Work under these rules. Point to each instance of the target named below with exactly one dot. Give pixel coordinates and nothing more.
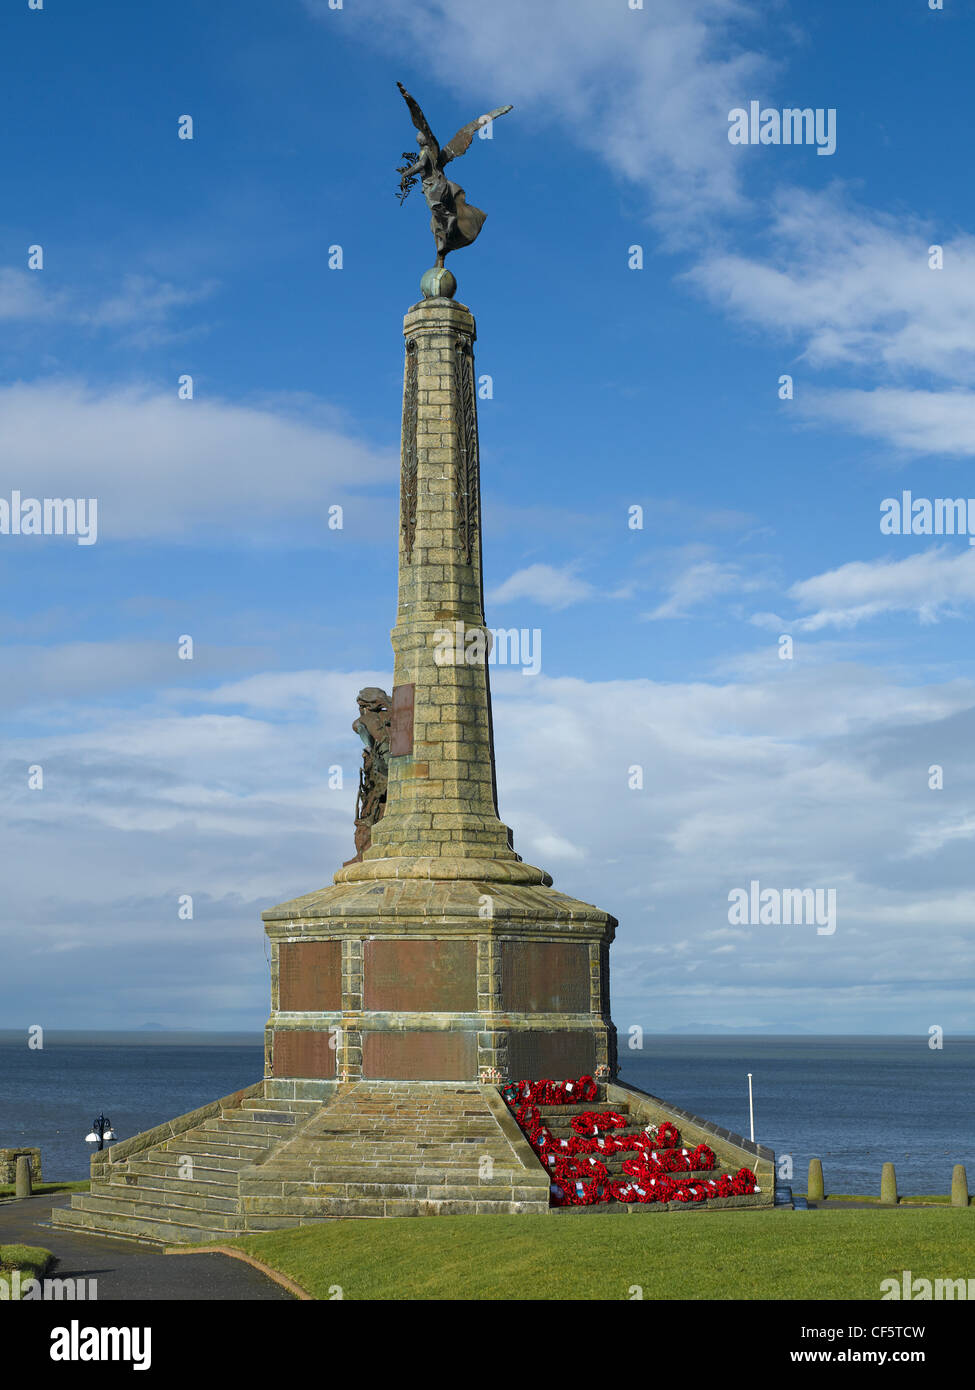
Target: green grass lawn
(41, 1188)
(594, 1255)
(31, 1260)
(938, 1199)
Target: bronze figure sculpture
(372, 726)
(453, 221)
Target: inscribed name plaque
(401, 722)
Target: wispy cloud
(192, 471)
(648, 91)
(701, 582)
(934, 584)
(853, 285)
(213, 793)
(545, 584)
(918, 421)
(139, 310)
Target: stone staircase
(408, 1149)
(263, 1162)
(187, 1188)
(288, 1153)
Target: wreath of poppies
(580, 1179)
(550, 1092)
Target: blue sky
(611, 388)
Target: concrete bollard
(959, 1186)
(22, 1183)
(814, 1187)
(888, 1184)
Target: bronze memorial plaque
(401, 727)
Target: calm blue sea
(853, 1102)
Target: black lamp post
(100, 1131)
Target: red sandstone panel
(419, 1056)
(401, 976)
(556, 1056)
(302, 1052)
(310, 976)
(550, 977)
(401, 721)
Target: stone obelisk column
(441, 800)
(440, 955)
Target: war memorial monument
(440, 1038)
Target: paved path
(127, 1270)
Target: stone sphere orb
(438, 283)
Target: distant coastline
(199, 1037)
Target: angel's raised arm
(419, 120)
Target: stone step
(243, 1127)
(273, 1105)
(459, 1133)
(565, 1131)
(133, 1227)
(391, 1153)
(242, 1133)
(167, 1166)
(613, 1163)
(229, 1154)
(126, 1202)
(322, 1208)
(282, 1185)
(147, 1192)
(298, 1200)
(302, 1176)
(148, 1177)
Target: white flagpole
(751, 1108)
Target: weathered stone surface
(310, 975)
(8, 1164)
(304, 1052)
(420, 974)
(373, 1149)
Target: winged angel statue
(453, 220)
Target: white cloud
(854, 285)
(811, 782)
(933, 584)
(648, 91)
(701, 582)
(545, 584)
(205, 470)
(25, 296)
(138, 310)
(920, 421)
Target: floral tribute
(580, 1179)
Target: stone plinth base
(429, 979)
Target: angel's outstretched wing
(461, 142)
(419, 120)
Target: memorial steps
(375, 1149)
(146, 1198)
(367, 1149)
